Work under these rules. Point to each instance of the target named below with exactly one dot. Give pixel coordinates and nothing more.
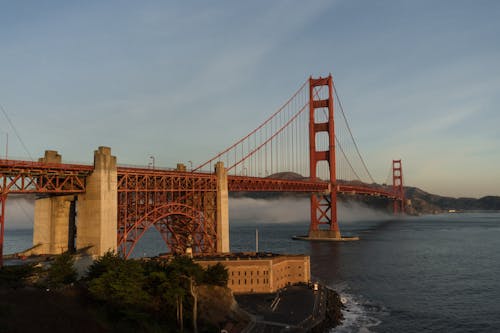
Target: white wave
(359, 315)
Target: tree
(216, 275)
(62, 271)
(109, 261)
(182, 265)
(16, 276)
(167, 292)
(121, 285)
(184, 270)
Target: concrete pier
(97, 207)
(51, 230)
(324, 234)
(222, 214)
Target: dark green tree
(121, 285)
(184, 266)
(109, 261)
(16, 276)
(216, 275)
(62, 271)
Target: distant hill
(287, 176)
(424, 203)
(420, 202)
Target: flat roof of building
(238, 256)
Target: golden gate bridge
(302, 147)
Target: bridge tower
(323, 205)
(397, 187)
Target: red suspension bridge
(302, 147)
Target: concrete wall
(51, 218)
(222, 214)
(263, 275)
(51, 227)
(97, 207)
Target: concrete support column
(97, 207)
(51, 218)
(222, 209)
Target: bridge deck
(62, 178)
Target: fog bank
(294, 210)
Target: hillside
(425, 203)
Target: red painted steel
(255, 184)
(323, 205)
(180, 205)
(218, 156)
(39, 177)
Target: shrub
(62, 271)
(121, 284)
(15, 276)
(216, 275)
(109, 261)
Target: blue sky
(181, 80)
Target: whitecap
(360, 315)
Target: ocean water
(417, 274)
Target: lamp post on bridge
(190, 165)
(152, 163)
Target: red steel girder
(173, 202)
(39, 177)
(134, 180)
(255, 184)
(365, 190)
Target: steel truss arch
(180, 225)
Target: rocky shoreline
(332, 316)
(297, 308)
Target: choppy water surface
(425, 274)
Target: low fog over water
(19, 212)
(291, 210)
